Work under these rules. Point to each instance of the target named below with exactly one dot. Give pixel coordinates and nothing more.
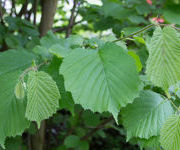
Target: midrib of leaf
(169, 56)
(107, 84)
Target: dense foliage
(107, 77)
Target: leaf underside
(42, 95)
(164, 57)
(144, 117)
(170, 133)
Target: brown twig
(35, 10)
(72, 19)
(29, 13)
(63, 28)
(100, 126)
(23, 9)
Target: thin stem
(100, 126)
(63, 28)
(174, 105)
(144, 29)
(33, 68)
(135, 33)
(23, 9)
(169, 98)
(172, 25)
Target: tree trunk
(48, 12)
(37, 141)
(1, 13)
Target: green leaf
(49, 40)
(111, 38)
(137, 19)
(143, 9)
(72, 141)
(62, 147)
(164, 57)
(75, 40)
(101, 80)
(93, 42)
(59, 50)
(13, 23)
(90, 118)
(139, 39)
(170, 133)
(137, 60)
(66, 101)
(143, 55)
(152, 142)
(42, 95)
(13, 143)
(83, 145)
(130, 30)
(172, 14)
(42, 51)
(19, 90)
(144, 117)
(12, 64)
(116, 10)
(12, 41)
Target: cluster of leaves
(18, 33)
(129, 15)
(94, 78)
(101, 76)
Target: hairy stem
(135, 33)
(144, 29)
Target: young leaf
(144, 117)
(170, 133)
(42, 95)
(103, 80)
(136, 59)
(164, 57)
(19, 90)
(12, 64)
